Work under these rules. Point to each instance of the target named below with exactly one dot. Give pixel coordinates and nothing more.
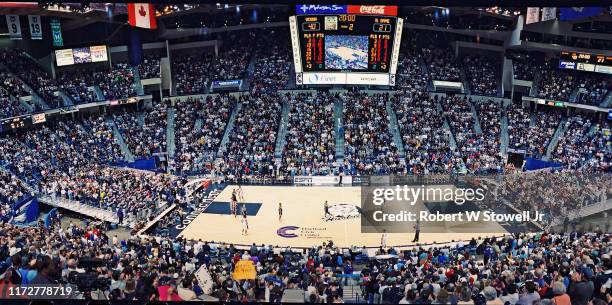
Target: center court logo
(342, 211)
(287, 231)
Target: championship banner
(533, 15)
(14, 27)
(205, 280)
(549, 13)
(56, 30)
(244, 270)
(35, 27)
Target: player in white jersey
(240, 193)
(245, 225)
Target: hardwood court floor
(303, 216)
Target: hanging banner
(14, 27)
(56, 30)
(549, 13)
(35, 27)
(533, 15)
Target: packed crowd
(543, 268)
(144, 133)
(138, 194)
(532, 133)
(272, 63)
(555, 84)
(412, 77)
(524, 69)
(489, 115)
(77, 85)
(442, 65)
(250, 150)
(29, 71)
(583, 141)
(13, 85)
(70, 159)
(422, 129)
(310, 147)
(116, 83)
(479, 149)
(149, 67)
(519, 122)
(199, 128)
(11, 190)
(525, 270)
(556, 193)
(368, 145)
(481, 73)
(592, 90)
(191, 73)
(10, 106)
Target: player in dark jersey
(234, 203)
(326, 209)
(280, 211)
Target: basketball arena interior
(303, 153)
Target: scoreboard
(586, 62)
(345, 44)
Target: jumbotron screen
(345, 44)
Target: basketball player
(245, 225)
(326, 210)
(234, 208)
(240, 193)
(243, 210)
(280, 211)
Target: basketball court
(304, 224)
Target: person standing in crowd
(581, 287)
(120, 215)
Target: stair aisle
(555, 139)
(339, 128)
(504, 138)
(394, 129)
(281, 136)
(137, 83)
(477, 127)
(170, 132)
(228, 130)
(125, 150)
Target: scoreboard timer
(345, 44)
(586, 62)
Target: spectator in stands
(150, 67)
(482, 74)
(310, 141)
(369, 146)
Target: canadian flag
(142, 15)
